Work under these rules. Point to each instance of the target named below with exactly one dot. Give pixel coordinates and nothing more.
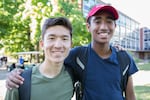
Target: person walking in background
(1, 61)
(21, 60)
(102, 75)
(5, 60)
(12, 67)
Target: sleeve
(133, 68)
(12, 94)
(70, 61)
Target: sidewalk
(3, 74)
(141, 78)
(2, 89)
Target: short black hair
(56, 21)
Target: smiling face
(56, 43)
(102, 26)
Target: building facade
(144, 51)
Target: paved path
(3, 74)
(2, 89)
(140, 78)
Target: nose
(58, 43)
(103, 25)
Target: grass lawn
(145, 67)
(143, 92)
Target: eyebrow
(98, 18)
(50, 35)
(56, 35)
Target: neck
(49, 69)
(103, 50)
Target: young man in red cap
(102, 78)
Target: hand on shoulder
(14, 79)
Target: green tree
(21, 21)
(16, 33)
(5, 18)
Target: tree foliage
(16, 31)
(21, 22)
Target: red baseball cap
(101, 7)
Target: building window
(146, 46)
(145, 37)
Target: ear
(115, 25)
(41, 44)
(88, 27)
(71, 44)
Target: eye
(110, 21)
(51, 38)
(97, 21)
(65, 38)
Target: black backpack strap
(124, 63)
(81, 60)
(25, 88)
(72, 75)
(81, 57)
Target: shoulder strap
(81, 57)
(25, 88)
(124, 63)
(81, 60)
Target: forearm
(130, 95)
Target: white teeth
(103, 33)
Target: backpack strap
(72, 75)
(124, 63)
(82, 56)
(25, 88)
(81, 60)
